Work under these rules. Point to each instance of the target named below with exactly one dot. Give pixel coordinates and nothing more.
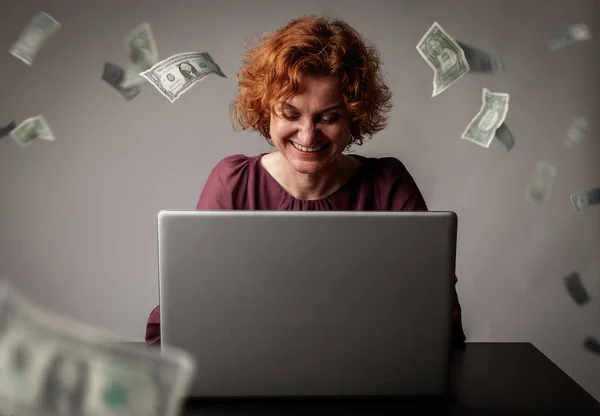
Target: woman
(312, 89)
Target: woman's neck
(311, 186)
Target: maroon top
(380, 184)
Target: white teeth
(307, 149)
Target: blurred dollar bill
(31, 129)
(143, 54)
(482, 129)
(132, 78)
(176, 74)
(114, 75)
(541, 182)
(576, 288)
(592, 345)
(50, 365)
(584, 199)
(567, 35)
(444, 56)
(39, 29)
(504, 136)
(482, 61)
(5, 131)
(577, 131)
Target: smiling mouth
(309, 149)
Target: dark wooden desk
(505, 378)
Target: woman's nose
(308, 133)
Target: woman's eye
(331, 119)
(327, 119)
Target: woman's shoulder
(233, 162)
(384, 168)
(234, 165)
(226, 185)
(393, 184)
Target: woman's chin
(308, 162)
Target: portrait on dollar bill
(489, 119)
(65, 386)
(187, 70)
(445, 56)
(142, 52)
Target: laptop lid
(309, 304)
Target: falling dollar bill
(541, 182)
(504, 136)
(482, 129)
(482, 61)
(132, 78)
(577, 132)
(39, 29)
(576, 288)
(5, 131)
(114, 75)
(567, 35)
(176, 74)
(141, 47)
(444, 56)
(143, 54)
(50, 365)
(31, 129)
(592, 345)
(584, 199)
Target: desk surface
(507, 377)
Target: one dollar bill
(444, 55)
(482, 129)
(132, 78)
(567, 35)
(541, 182)
(39, 29)
(178, 73)
(143, 54)
(50, 365)
(32, 129)
(577, 132)
(585, 199)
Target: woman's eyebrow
(322, 111)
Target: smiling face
(311, 129)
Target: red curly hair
(312, 45)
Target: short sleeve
(226, 185)
(398, 190)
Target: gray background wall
(78, 216)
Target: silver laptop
(309, 304)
